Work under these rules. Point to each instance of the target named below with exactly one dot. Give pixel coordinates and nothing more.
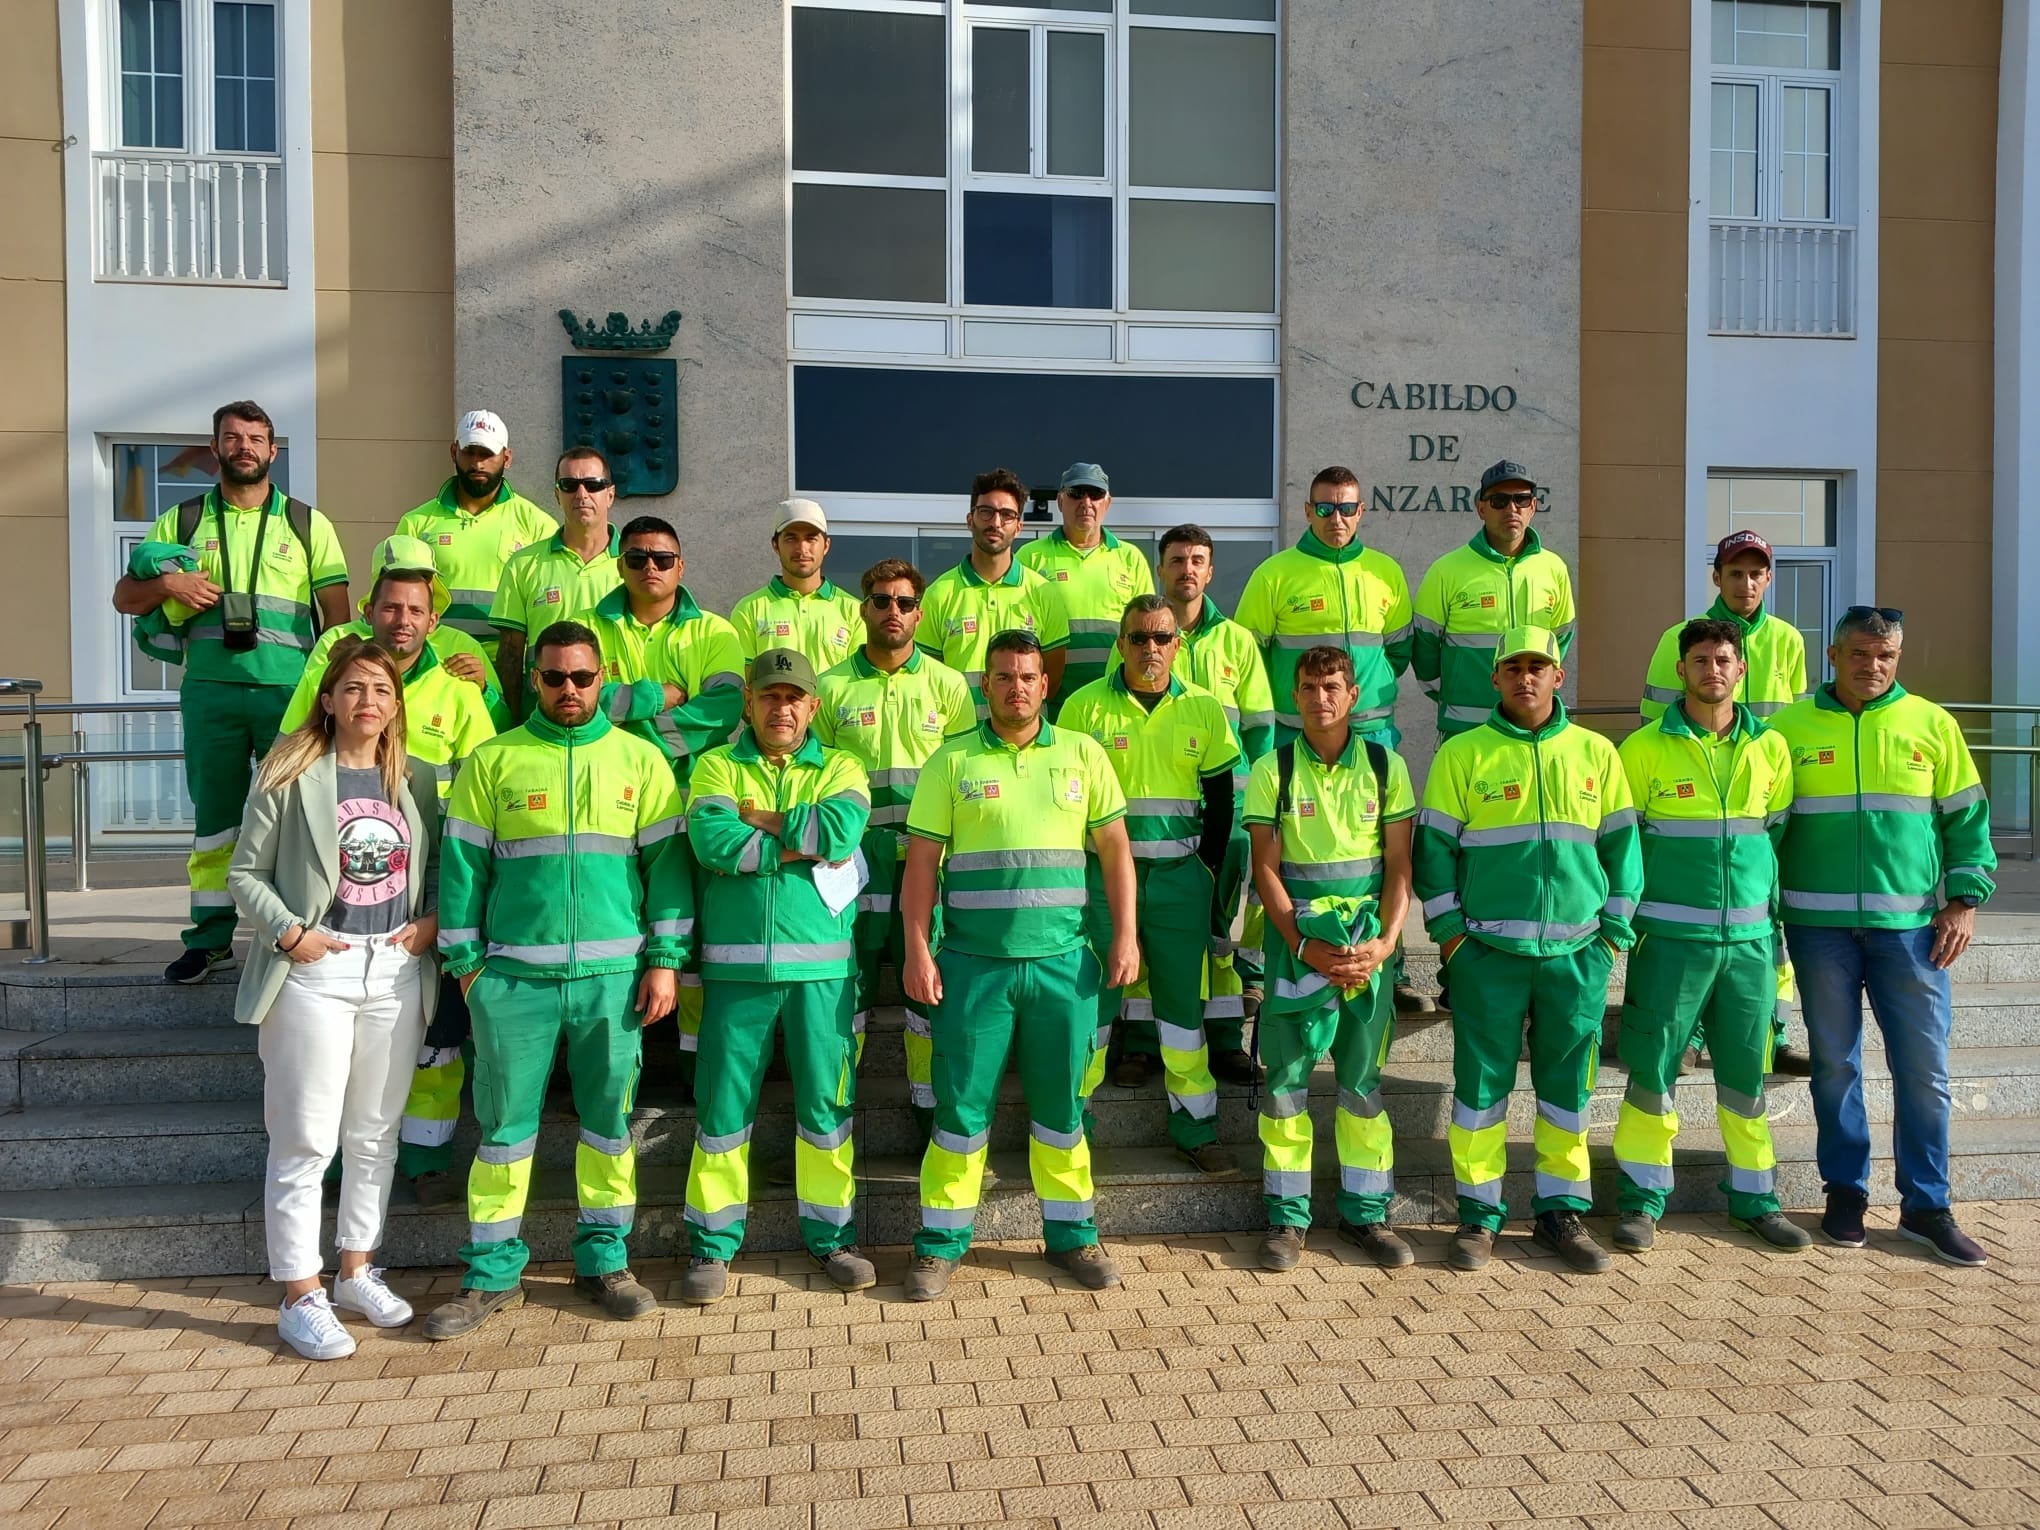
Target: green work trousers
(1356, 1030)
(737, 1026)
(1050, 1004)
(1565, 999)
(518, 1026)
(432, 1108)
(1174, 918)
(882, 937)
(227, 729)
(1681, 990)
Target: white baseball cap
(800, 512)
(482, 427)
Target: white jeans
(338, 1050)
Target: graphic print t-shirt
(375, 859)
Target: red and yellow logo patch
(868, 718)
(535, 802)
(1511, 793)
(1827, 757)
(1317, 602)
(1685, 788)
(1487, 602)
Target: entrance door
(1803, 595)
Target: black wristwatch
(1967, 901)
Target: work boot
(436, 1187)
(1689, 1061)
(1133, 1069)
(1842, 1223)
(928, 1277)
(1791, 1061)
(1783, 1234)
(1282, 1248)
(1472, 1247)
(1374, 1239)
(1635, 1231)
(847, 1268)
(1210, 1158)
(619, 1294)
(1409, 1002)
(468, 1311)
(707, 1281)
(1566, 1236)
(1235, 1066)
(194, 965)
(1091, 1265)
(1938, 1231)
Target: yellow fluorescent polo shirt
(1332, 834)
(1014, 824)
(960, 614)
(1095, 584)
(1161, 758)
(548, 582)
(892, 723)
(471, 551)
(824, 626)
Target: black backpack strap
(1285, 774)
(1377, 756)
(189, 513)
(299, 514)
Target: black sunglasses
(1889, 613)
(638, 557)
(906, 603)
(1522, 499)
(556, 679)
(1084, 491)
(592, 485)
(1324, 509)
(1151, 639)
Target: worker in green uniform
(1095, 573)
(563, 915)
(1774, 656)
(771, 815)
(476, 523)
(1003, 813)
(1221, 656)
(564, 577)
(1330, 817)
(992, 591)
(891, 707)
(799, 608)
(270, 575)
(1713, 784)
(1174, 754)
(1528, 871)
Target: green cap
(1541, 641)
(407, 553)
(782, 666)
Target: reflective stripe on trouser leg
(1740, 1034)
(1490, 997)
(687, 1001)
(1662, 1002)
(821, 1056)
(919, 1043)
(605, 1048)
(517, 1025)
(739, 1020)
(226, 729)
(1058, 1000)
(1290, 1048)
(1225, 1022)
(1366, 1136)
(432, 1108)
(1175, 925)
(1568, 1006)
(972, 1033)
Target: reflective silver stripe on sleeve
(1620, 819)
(469, 833)
(582, 950)
(1442, 823)
(1444, 903)
(1012, 860)
(1015, 897)
(1957, 801)
(1663, 694)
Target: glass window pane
(261, 98)
(1793, 125)
(1724, 31)
(1076, 103)
(1793, 191)
(1722, 132)
(1203, 109)
(261, 51)
(169, 57)
(1228, 10)
(1044, 5)
(230, 115)
(1000, 97)
(1233, 243)
(137, 118)
(1811, 110)
(1825, 48)
(169, 112)
(1746, 117)
(229, 37)
(884, 242)
(1721, 185)
(1787, 512)
(869, 92)
(1026, 251)
(134, 35)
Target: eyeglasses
(1522, 499)
(592, 485)
(994, 513)
(558, 679)
(1325, 509)
(906, 603)
(1889, 613)
(660, 559)
(1085, 491)
(1151, 639)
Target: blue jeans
(1910, 997)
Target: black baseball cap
(1505, 471)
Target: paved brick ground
(1707, 1387)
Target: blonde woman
(335, 869)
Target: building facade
(1700, 264)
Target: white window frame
(1771, 84)
(200, 85)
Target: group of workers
(1105, 824)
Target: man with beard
(562, 578)
(991, 591)
(475, 523)
(270, 575)
(799, 608)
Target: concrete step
(74, 1145)
(128, 1233)
(164, 1064)
(33, 1001)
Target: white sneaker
(368, 1295)
(309, 1326)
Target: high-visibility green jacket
(961, 613)
(1351, 597)
(444, 715)
(1465, 602)
(892, 723)
(1161, 758)
(1713, 813)
(443, 643)
(691, 648)
(1774, 651)
(824, 625)
(470, 551)
(1886, 807)
(1223, 657)
(563, 856)
(1095, 586)
(1528, 840)
(762, 921)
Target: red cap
(1742, 542)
